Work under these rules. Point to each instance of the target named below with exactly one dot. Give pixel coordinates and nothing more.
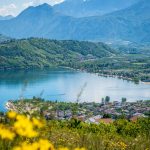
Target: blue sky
(14, 7)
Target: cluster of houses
(87, 112)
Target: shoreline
(81, 70)
(10, 105)
(108, 75)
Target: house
(94, 119)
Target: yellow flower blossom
(41, 145)
(12, 115)
(25, 146)
(79, 149)
(24, 127)
(6, 133)
(37, 123)
(45, 145)
(65, 148)
(122, 145)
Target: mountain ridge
(131, 24)
(85, 8)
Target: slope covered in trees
(38, 53)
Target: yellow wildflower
(12, 115)
(37, 123)
(24, 127)
(79, 149)
(63, 148)
(45, 145)
(41, 145)
(25, 146)
(122, 145)
(6, 133)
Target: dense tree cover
(38, 53)
(129, 66)
(92, 57)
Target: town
(89, 112)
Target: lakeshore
(88, 111)
(66, 84)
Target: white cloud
(15, 8)
(51, 2)
(57, 1)
(25, 5)
(8, 9)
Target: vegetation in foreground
(22, 132)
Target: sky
(14, 7)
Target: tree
(107, 116)
(103, 101)
(124, 100)
(107, 99)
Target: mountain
(131, 25)
(40, 21)
(85, 8)
(38, 53)
(6, 17)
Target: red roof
(134, 118)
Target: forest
(131, 63)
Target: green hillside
(39, 53)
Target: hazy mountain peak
(43, 9)
(130, 24)
(44, 6)
(84, 8)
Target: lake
(66, 85)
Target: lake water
(65, 85)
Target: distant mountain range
(84, 8)
(6, 17)
(130, 24)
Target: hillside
(131, 24)
(38, 53)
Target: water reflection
(65, 85)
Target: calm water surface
(65, 85)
